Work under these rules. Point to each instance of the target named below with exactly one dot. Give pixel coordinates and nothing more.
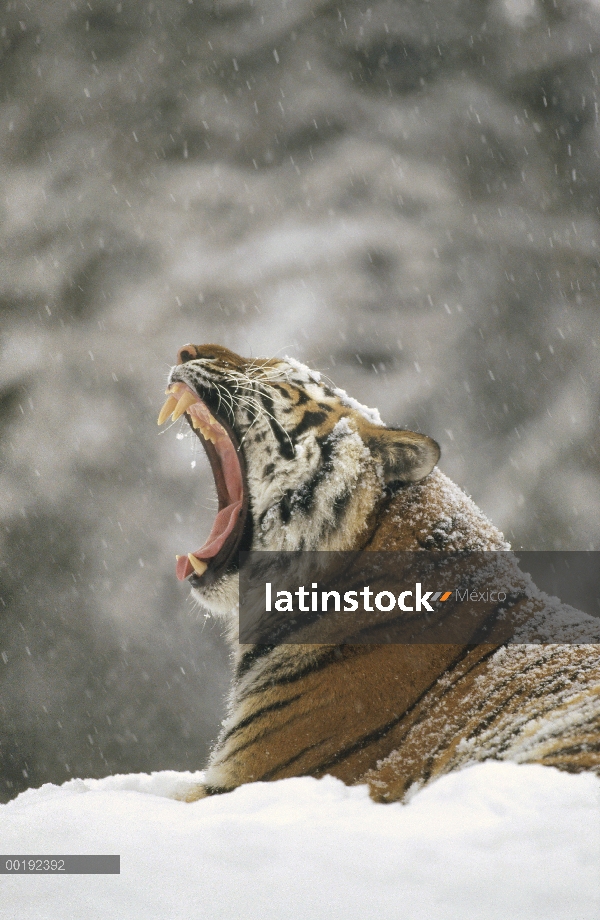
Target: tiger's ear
(404, 455)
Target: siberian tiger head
(298, 465)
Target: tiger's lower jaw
(220, 595)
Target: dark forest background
(403, 194)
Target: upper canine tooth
(166, 409)
(184, 403)
(176, 389)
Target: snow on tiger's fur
(322, 472)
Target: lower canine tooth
(198, 565)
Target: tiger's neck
(434, 514)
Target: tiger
(301, 466)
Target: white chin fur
(221, 598)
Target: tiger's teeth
(206, 432)
(175, 389)
(196, 423)
(166, 410)
(198, 565)
(187, 400)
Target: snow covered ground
(496, 840)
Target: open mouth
(224, 456)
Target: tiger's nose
(187, 353)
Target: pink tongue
(224, 523)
